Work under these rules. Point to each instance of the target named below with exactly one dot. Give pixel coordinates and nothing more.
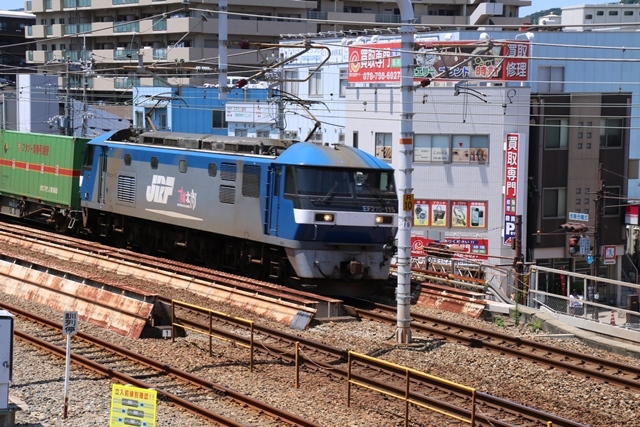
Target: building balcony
(37, 32)
(442, 20)
(484, 11)
(75, 4)
(77, 29)
(39, 56)
(343, 16)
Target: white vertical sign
(69, 327)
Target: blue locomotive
(310, 215)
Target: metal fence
(587, 305)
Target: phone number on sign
(381, 75)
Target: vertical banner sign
(511, 187)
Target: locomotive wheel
(119, 240)
(61, 225)
(148, 247)
(213, 259)
(254, 271)
(181, 254)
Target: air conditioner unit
(290, 134)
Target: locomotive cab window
(154, 162)
(88, 157)
(326, 185)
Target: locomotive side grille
(228, 171)
(126, 189)
(251, 181)
(227, 194)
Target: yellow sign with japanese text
(132, 406)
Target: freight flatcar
(39, 177)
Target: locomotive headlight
(325, 217)
(384, 219)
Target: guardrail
(410, 374)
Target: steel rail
(161, 367)
(624, 375)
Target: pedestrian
(574, 303)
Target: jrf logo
(160, 189)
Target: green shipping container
(43, 168)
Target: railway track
(190, 392)
(28, 237)
(494, 411)
(577, 364)
(375, 374)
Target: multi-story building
(341, 15)
(601, 17)
(12, 42)
(179, 39)
(581, 113)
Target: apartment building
(12, 29)
(344, 15)
(179, 38)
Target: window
(588, 16)
(161, 115)
(451, 148)
(554, 202)
(600, 13)
(182, 166)
(460, 149)
(262, 134)
(218, 119)
(291, 86)
(383, 146)
(356, 137)
(343, 82)
(550, 79)
(154, 162)
(140, 123)
(470, 149)
(315, 83)
(127, 159)
(212, 169)
(613, 13)
(632, 173)
(628, 13)
(611, 133)
(556, 133)
(240, 132)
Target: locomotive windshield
(326, 184)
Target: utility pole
(597, 234)
(83, 64)
(69, 121)
(518, 262)
(404, 155)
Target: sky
(11, 4)
(537, 5)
